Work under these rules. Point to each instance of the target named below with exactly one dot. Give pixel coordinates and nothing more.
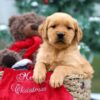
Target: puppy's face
(60, 30)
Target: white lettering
(18, 89)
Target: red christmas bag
(19, 85)
(1, 69)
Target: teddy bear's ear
(41, 19)
(33, 14)
(11, 20)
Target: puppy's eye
(69, 27)
(53, 26)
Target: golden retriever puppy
(59, 52)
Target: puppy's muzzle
(60, 37)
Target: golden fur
(63, 58)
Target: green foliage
(5, 36)
(82, 10)
(91, 30)
(92, 36)
(84, 7)
(96, 79)
(86, 52)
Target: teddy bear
(24, 30)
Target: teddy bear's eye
(53, 26)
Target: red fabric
(31, 44)
(18, 85)
(33, 48)
(1, 68)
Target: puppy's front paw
(39, 76)
(56, 80)
(88, 73)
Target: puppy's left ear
(78, 32)
(43, 28)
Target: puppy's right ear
(78, 32)
(43, 28)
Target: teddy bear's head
(26, 25)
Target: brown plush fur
(21, 27)
(25, 25)
(8, 58)
(60, 56)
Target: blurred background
(87, 12)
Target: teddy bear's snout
(34, 26)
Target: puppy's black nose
(60, 35)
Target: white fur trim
(22, 62)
